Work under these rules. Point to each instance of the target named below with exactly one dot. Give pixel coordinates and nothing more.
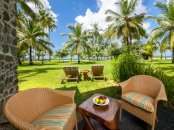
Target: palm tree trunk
(49, 53)
(130, 43)
(173, 55)
(151, 59)
(19, 61)
(161, 56)
(165, 55)
(31, 61)
(49, 57)
(78, 58)
(127, 44)
(43, 58)
(34, 55)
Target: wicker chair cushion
(140, 100)
(55, 119)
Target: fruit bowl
(101, 100)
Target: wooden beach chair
(97, 72)
(71, 73)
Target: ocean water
(169, 56)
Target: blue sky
(70, 11)
(67, 11)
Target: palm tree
(162, 46)
(29, 36)
(95, 33)
(29, 24)
(99, 48)
(47, 21)
(165, 31)
(21, 49)
(97, 40)
(113, 50)
(78, 40)
(127, 24)
(149, 49)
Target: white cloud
(146, 25)
(96, 17)
(99, 17)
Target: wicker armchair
(97, 72)
(147, 85)
(32, 109)
(71, 73)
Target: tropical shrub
(127, 66)
(61, 54)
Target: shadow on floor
(130, 122)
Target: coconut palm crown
(125, 24)
(78, 40)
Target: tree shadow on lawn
(161, 63)
(21, 80)
(84, 63)
(34, 72)
(38, 64)
(64, 61)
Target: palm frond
(38, 3)
(27, 9)
(113, 13)
(157, 33)
(132, 5)
(163, 7)
(171, 38)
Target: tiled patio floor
(129, 122)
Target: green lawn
(50, 75)
(165, 65)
